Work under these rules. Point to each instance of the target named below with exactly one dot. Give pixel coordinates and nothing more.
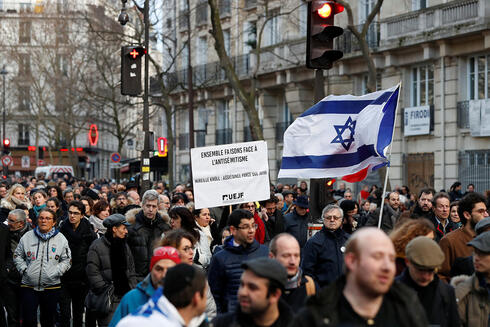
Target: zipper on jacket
(41, 268)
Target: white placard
(417, 121)
(230, 174)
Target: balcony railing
(348, 43)
(280, 129)
(183, 141)
(436, 19)
(224, 136)
(463, 108)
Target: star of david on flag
(341, 136)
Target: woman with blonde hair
(404, 233)
(16, 196)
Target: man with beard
(391, 213)
(471, 210)
(259, 297)
(121, 200)
(423, 257)
(285, 249)
(366, 295)
(423, 207)
(440, 219)
(225, 267)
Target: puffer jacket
(323, 256)
(141, 237)
(473, 301)
(225, 271)
(42, 262)
(99, 270)
(79, 241)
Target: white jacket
(42, 262)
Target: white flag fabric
(341, 135)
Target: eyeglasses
(45, 218)
(249, 227)
(332, 218)
(74, 213)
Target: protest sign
(230, 174)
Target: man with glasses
(471, 210)
(323, 254)
(423, 258)
(121, 200)
(472, 293)
(225, 267)
(440, 219)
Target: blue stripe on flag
(344, 106)
(387, 124)
(329, 161)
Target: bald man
(367, 293)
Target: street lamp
(4, 73)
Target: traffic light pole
(145, 155)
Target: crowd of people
(100, 253)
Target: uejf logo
(232, 196)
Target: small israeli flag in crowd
(341, 135)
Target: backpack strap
(310, 286)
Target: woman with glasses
(42, 257)
(16, 197)
(80, 234)
(181, 217)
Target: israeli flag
(341, 135)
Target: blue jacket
(225, 271)
(133, 300)
(297, 226)
(323, 256)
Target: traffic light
(6, 146)
(131, 70)
(320, 34)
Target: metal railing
(348, 43)
(224, 136)
(183, 141)
(463, 108)
(474, 167)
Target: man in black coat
(259, 296)
(440, 219)
(148, 227)
(4, 254)
(273, 218)
(296, 222)
(423, 256)
(366, 294)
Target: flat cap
(424, 252)
(481, 242)
(267, 268)
(482, 225)
(115, 220)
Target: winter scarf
(98, 226)
(38, 208)
(45, 236)
(118, 264)
(294, 281)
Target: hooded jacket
(297, 226)
(225, 271)
(42, 262)
(473, 301)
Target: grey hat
(267, 268)
(481, 242)
(424, 253)
(482, 225)
(115, 220)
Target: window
(62, 65)
(303, 17)
(62, 35)
(419, 4)
(478, 78)
(271, 32)
(365, 8)
(202, 49)
(285, 119)
(474, 167)
(23, 134)
(183, 130)
(24, 64)
(24, 98)
(201, 13)
(202, 125)
(422, 86)
(24, 32)
(226, 37)
(223, 125)
(224, 7)
(364, 89)
(185, 55)
(249, 37)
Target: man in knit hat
(423, 258)
(163, 258)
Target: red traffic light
(325, 11)
(6, 142)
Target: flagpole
(389, 159)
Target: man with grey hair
(147, 227)
(324, 252)
(18, 226)
(134, 197)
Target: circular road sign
(115, 157)
(7, 161)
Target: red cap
(164, 252)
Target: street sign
(25, 161)
(7, 161)
(115, 157)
